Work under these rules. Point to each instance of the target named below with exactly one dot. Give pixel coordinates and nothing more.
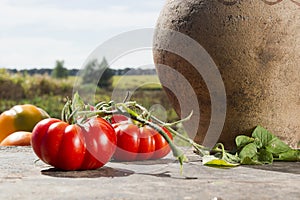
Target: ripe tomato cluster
(82, 139)
(138, 142)
(92, 144)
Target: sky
(36, 33)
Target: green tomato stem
(201, 150)
(177, 153)
(107, 109)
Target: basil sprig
(261, 148)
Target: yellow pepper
(20, 118)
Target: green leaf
(263, 135)
(243, 140)
(231, 158)
(263, 148)
(213, 161)
(277, 146)
(265, 156)
(248, 161)
(77, 103)
(250, 150)
(291, 155)
(258, 143)
(222, 154)
(66, 111)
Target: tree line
(90, 73)
(75, 71)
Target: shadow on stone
(147, 162)
(168, 174)
(101, 172)
(284, 167)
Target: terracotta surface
(256, 47)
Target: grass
(50, 94)
(148, 82)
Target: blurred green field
(51, 94)
(147, 82)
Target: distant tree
(89, 73)
(106, 74)
(59, 71)
(97, 74)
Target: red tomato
(74, 147)
(117, 118)
(139, 143)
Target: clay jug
(254, 46)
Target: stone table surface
(23, 177)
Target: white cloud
(130, 60)
(43, 52)
(36, 33)
(77, 19)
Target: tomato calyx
(70, 112)
(67, 115)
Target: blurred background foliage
(51, 93)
